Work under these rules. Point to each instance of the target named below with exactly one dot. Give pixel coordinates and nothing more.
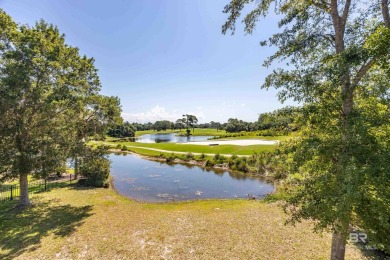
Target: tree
(334, 50)
(162, 125)
(280, 119)
(95, 167)
(216, 125)
(49, 101)
(122, 130)
(179, 124)
(190, 122)
(234, 125)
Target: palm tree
(190, 121)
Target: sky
(165, 58)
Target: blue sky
(164, 58)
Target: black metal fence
(12, 191)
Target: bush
(189, 156)
(209, 163)
(242, 167)
(238, 164)
(170, 158)
(95, 167)
(217, 156)
(202, 156)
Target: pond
(169, 138)
(152, 181)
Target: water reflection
(168, 138)
(152, 181)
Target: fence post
(45, 185)
(70, 178)
(11, 193)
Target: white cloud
(158, 113)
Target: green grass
(222, 149)
(72, 223)
(278, 138)
(16, 181)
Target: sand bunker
(235, 142)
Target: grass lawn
(69, 223)
(278, 138)
(221, 149)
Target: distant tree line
(122, 130)
(280, 120)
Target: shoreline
(201, 164)
(192, 163)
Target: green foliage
(189, 156)
(163, 125)
(122, 130)
(336, 55)
(279, 120)
(95, 167)
(190, 121)
(50, 101)
(124, 148)
(209, 163)
(170, 158)
(234, 125)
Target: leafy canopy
(334, 56)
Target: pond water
(168, 138)
(145, 180)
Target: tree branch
(362, 72)
(322, 5)
(334, 9)
(385, 12)
(346, 12)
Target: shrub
(242, 167)
(220, 160)
(202, 156)
(189, 156)
(216, 156)
(95, 167)
(209, 163)
(170, 158)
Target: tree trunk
(24, 198)
(339, 239)
(76, 167)
(338, 246)
(385, 12)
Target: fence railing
(12, 191)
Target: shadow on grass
(23, 229)
(374, 254)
